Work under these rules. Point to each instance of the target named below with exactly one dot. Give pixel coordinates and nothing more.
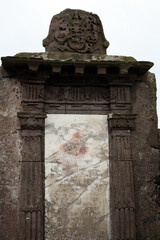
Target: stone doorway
(73, 77)
(77, 179)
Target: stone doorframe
(100, 86)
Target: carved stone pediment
(76, 31)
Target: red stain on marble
(76, 146)
(76, 135)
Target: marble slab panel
(77, 203)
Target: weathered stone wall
(145, 159)
(10, 147)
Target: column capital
(122, 121)
(31, 121)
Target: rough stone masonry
(79, 139)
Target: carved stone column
(122, 189)
(31, 201)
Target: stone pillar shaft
(31, 201)
(122, 190)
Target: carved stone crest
(76, 31)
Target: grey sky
(131, 27)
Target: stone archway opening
(77, 182)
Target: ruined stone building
(79, 139)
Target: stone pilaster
(31, 200)
(122, 189)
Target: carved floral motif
(31, 121)
(122, 123)
(79, 94)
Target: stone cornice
(53, 63)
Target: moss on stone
(129, 59)
(151, 82)
(62, 56)
(29, 55)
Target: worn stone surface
(77, 177)
(76, 31)
(10, 148)
(58, 56)
(145, 155)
